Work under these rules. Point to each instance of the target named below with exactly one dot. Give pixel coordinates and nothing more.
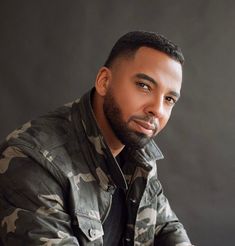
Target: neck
(112, 141)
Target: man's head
(129, 43)
(138, 87)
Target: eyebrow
(146, 77)
(150, 79)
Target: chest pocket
(91, 228)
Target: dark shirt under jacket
(115, 223)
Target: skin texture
(144, 88)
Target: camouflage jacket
(57, 177)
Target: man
(86, 173)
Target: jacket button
(92, 233)
(133, 200)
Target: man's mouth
(145, 127)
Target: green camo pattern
(57, 177)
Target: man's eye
(171, 100)
(143, 86)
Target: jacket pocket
(91, 228)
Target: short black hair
(129, 43)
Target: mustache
(147, 118)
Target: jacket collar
(104, 166)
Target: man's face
(141, 94)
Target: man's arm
(169, 231)
(32, 209)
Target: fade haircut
(128, 44)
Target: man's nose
(156, 108)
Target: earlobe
(102, 81)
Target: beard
(126, 136)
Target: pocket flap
(91, 227)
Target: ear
(102, 81)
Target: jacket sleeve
(32, 209)
(169, 231)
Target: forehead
(150, 61)
(149, 56)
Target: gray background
(50, 52)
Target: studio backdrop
(50, 52)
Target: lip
(145, 127)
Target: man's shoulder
(44, 141)
(50, 129)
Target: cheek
(130, 104)
(163, 121)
